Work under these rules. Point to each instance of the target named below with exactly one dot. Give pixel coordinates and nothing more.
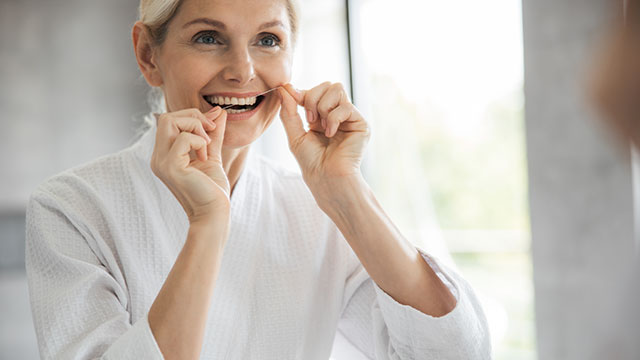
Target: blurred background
(511, 198)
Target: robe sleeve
(79, 309)
(381, 328)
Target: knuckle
(337, 115)
(163, 118)
(352, 111)
(181, 138)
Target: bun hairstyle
(157, 14)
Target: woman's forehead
(235, 13)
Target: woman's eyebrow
(222, 26)
(271, 24)
(206, 21)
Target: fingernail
(310, 117)
(213, 110)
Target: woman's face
(227, 51)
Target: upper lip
(235, 94)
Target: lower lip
(245, 115)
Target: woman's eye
(207, 38)
(269, 41)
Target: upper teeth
(222, 100)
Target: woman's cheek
(286, 71)
(277, 71)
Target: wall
(581, 193)
(70, 91)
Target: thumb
(298, 95)
(214, 149)
(290, 117)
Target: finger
(290, 119)
(197, 114)
(170, 127)
(214, 149)
(298, 95)
(194, 126)
(331, 99)
(336, 117)
(213, 114)
(178, 154)
(316, 127)
(311, 98)
(347, 126)
(171, 124)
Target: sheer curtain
(442, 84)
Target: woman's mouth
(236, 105)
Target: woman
(124, 253)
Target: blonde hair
(157, 14)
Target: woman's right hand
(187, 158)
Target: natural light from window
(442, 84)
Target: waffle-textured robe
(102, 238)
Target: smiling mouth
(236, 105)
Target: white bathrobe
(102, 238)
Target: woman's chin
(233, 140)
(239, 134)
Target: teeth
(221, 100)
(234, 111)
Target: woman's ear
(143, 47)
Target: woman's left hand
(331, 151)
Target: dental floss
(262, 93)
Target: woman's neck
(233, 161)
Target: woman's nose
(239, 69)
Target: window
(442, 85)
